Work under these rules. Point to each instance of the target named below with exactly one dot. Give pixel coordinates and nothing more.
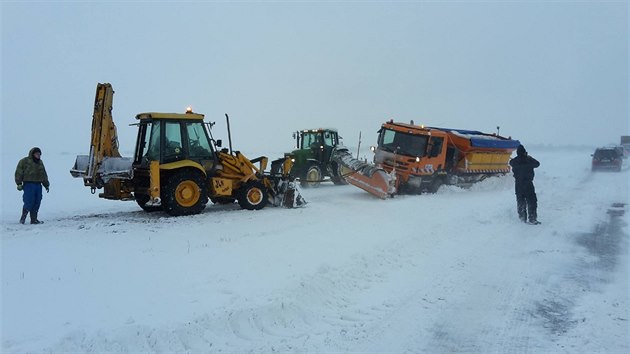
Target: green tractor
(312, 162)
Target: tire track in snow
(520, 327)
(322, 300)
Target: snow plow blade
(368, 177)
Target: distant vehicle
(607, 159)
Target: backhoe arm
(104, 167)
(104, 142)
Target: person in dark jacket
(523, 167)
(30, 176)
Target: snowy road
(450, 272)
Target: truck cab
(413, 151)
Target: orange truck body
(424, 158)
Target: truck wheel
(222, 200)
(142, 200)
(253, 196)
(184, 193)
(435, 185)
(312, 177)
(337, 177)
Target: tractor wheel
(338, 177)
(312, 177)
(142, 200)
(253, 196)
(184, 193)
(222, 200)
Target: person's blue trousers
(32, 196)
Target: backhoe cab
(312, 157)
(177, 166)
(174, 155)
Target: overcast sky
(545, 72)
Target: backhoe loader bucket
(284, 190)
(109, 168)
(286, 194)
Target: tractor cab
(312, 156)
(316, 144)
(309, 139)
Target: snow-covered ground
(450, 272)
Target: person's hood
(520, 151)
(33, 151)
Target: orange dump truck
(411, 159)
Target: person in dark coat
(30, 176)
(523, 167)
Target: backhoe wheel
(338, 177)
(253, 196)
(312, 177)
(184, 193)
(142, 200)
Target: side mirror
(219, 143)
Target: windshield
(199, 144)
(317, 139)
(407, 144)
(605, 154)
(310, 140)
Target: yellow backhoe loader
(177, 165)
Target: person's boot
(34, 218)
(533, 216)
(23, 217)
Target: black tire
(142, 200)
(338, 177)
(184, 193)
(253, 195)
(312, 177)
(222, 200)
(435, 185)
